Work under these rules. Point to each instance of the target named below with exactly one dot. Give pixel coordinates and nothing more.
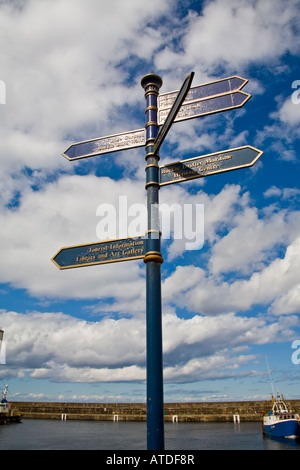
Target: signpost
(161, 110)
(207, 90)
(200, 100)
(109, 251)
(206, 106)
(206, 165)
(111, 143)
(209, 98)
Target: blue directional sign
(210, 164)
(110, 251)
(187, 103)
(205, 106)
(108, 144)
(207, 90)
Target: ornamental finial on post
(153, 80)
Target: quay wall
(181, 412)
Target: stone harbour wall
(179, 412)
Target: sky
(71, 70)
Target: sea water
(36, 434)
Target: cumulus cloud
(62, 348)
(254, 237)
(284, 193)
(62, 76)
(284, 130)
(288, 112)
(243, 32)
(62, 214)
(72, 72)
(47, 220)
(211, 295)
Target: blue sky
(72, 72)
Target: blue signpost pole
(153, 259)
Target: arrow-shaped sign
(210, 164)
(205, 106)
(200, 100)
(108, 144)
(109, 251)
(207, 90)
(174, 111)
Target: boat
(281, 421)
(8, 414)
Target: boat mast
(4, 394)
(273, 393)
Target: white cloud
(61, 73)
(64, 214)
(65, 373)
(234, 33)
(253, 237)
(273, 191)
(218, 212)
(284, 193)
(37, 340)
(288, 303)
(62, 348)
(289, 113)
(284, 130)
(198, 291)
(72, 72)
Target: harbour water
(34, 434)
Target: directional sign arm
(110, 251)
(205, 91)
(206, 106)
(187, 103)
(174, 111)
(103, 145)
(211, 164)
